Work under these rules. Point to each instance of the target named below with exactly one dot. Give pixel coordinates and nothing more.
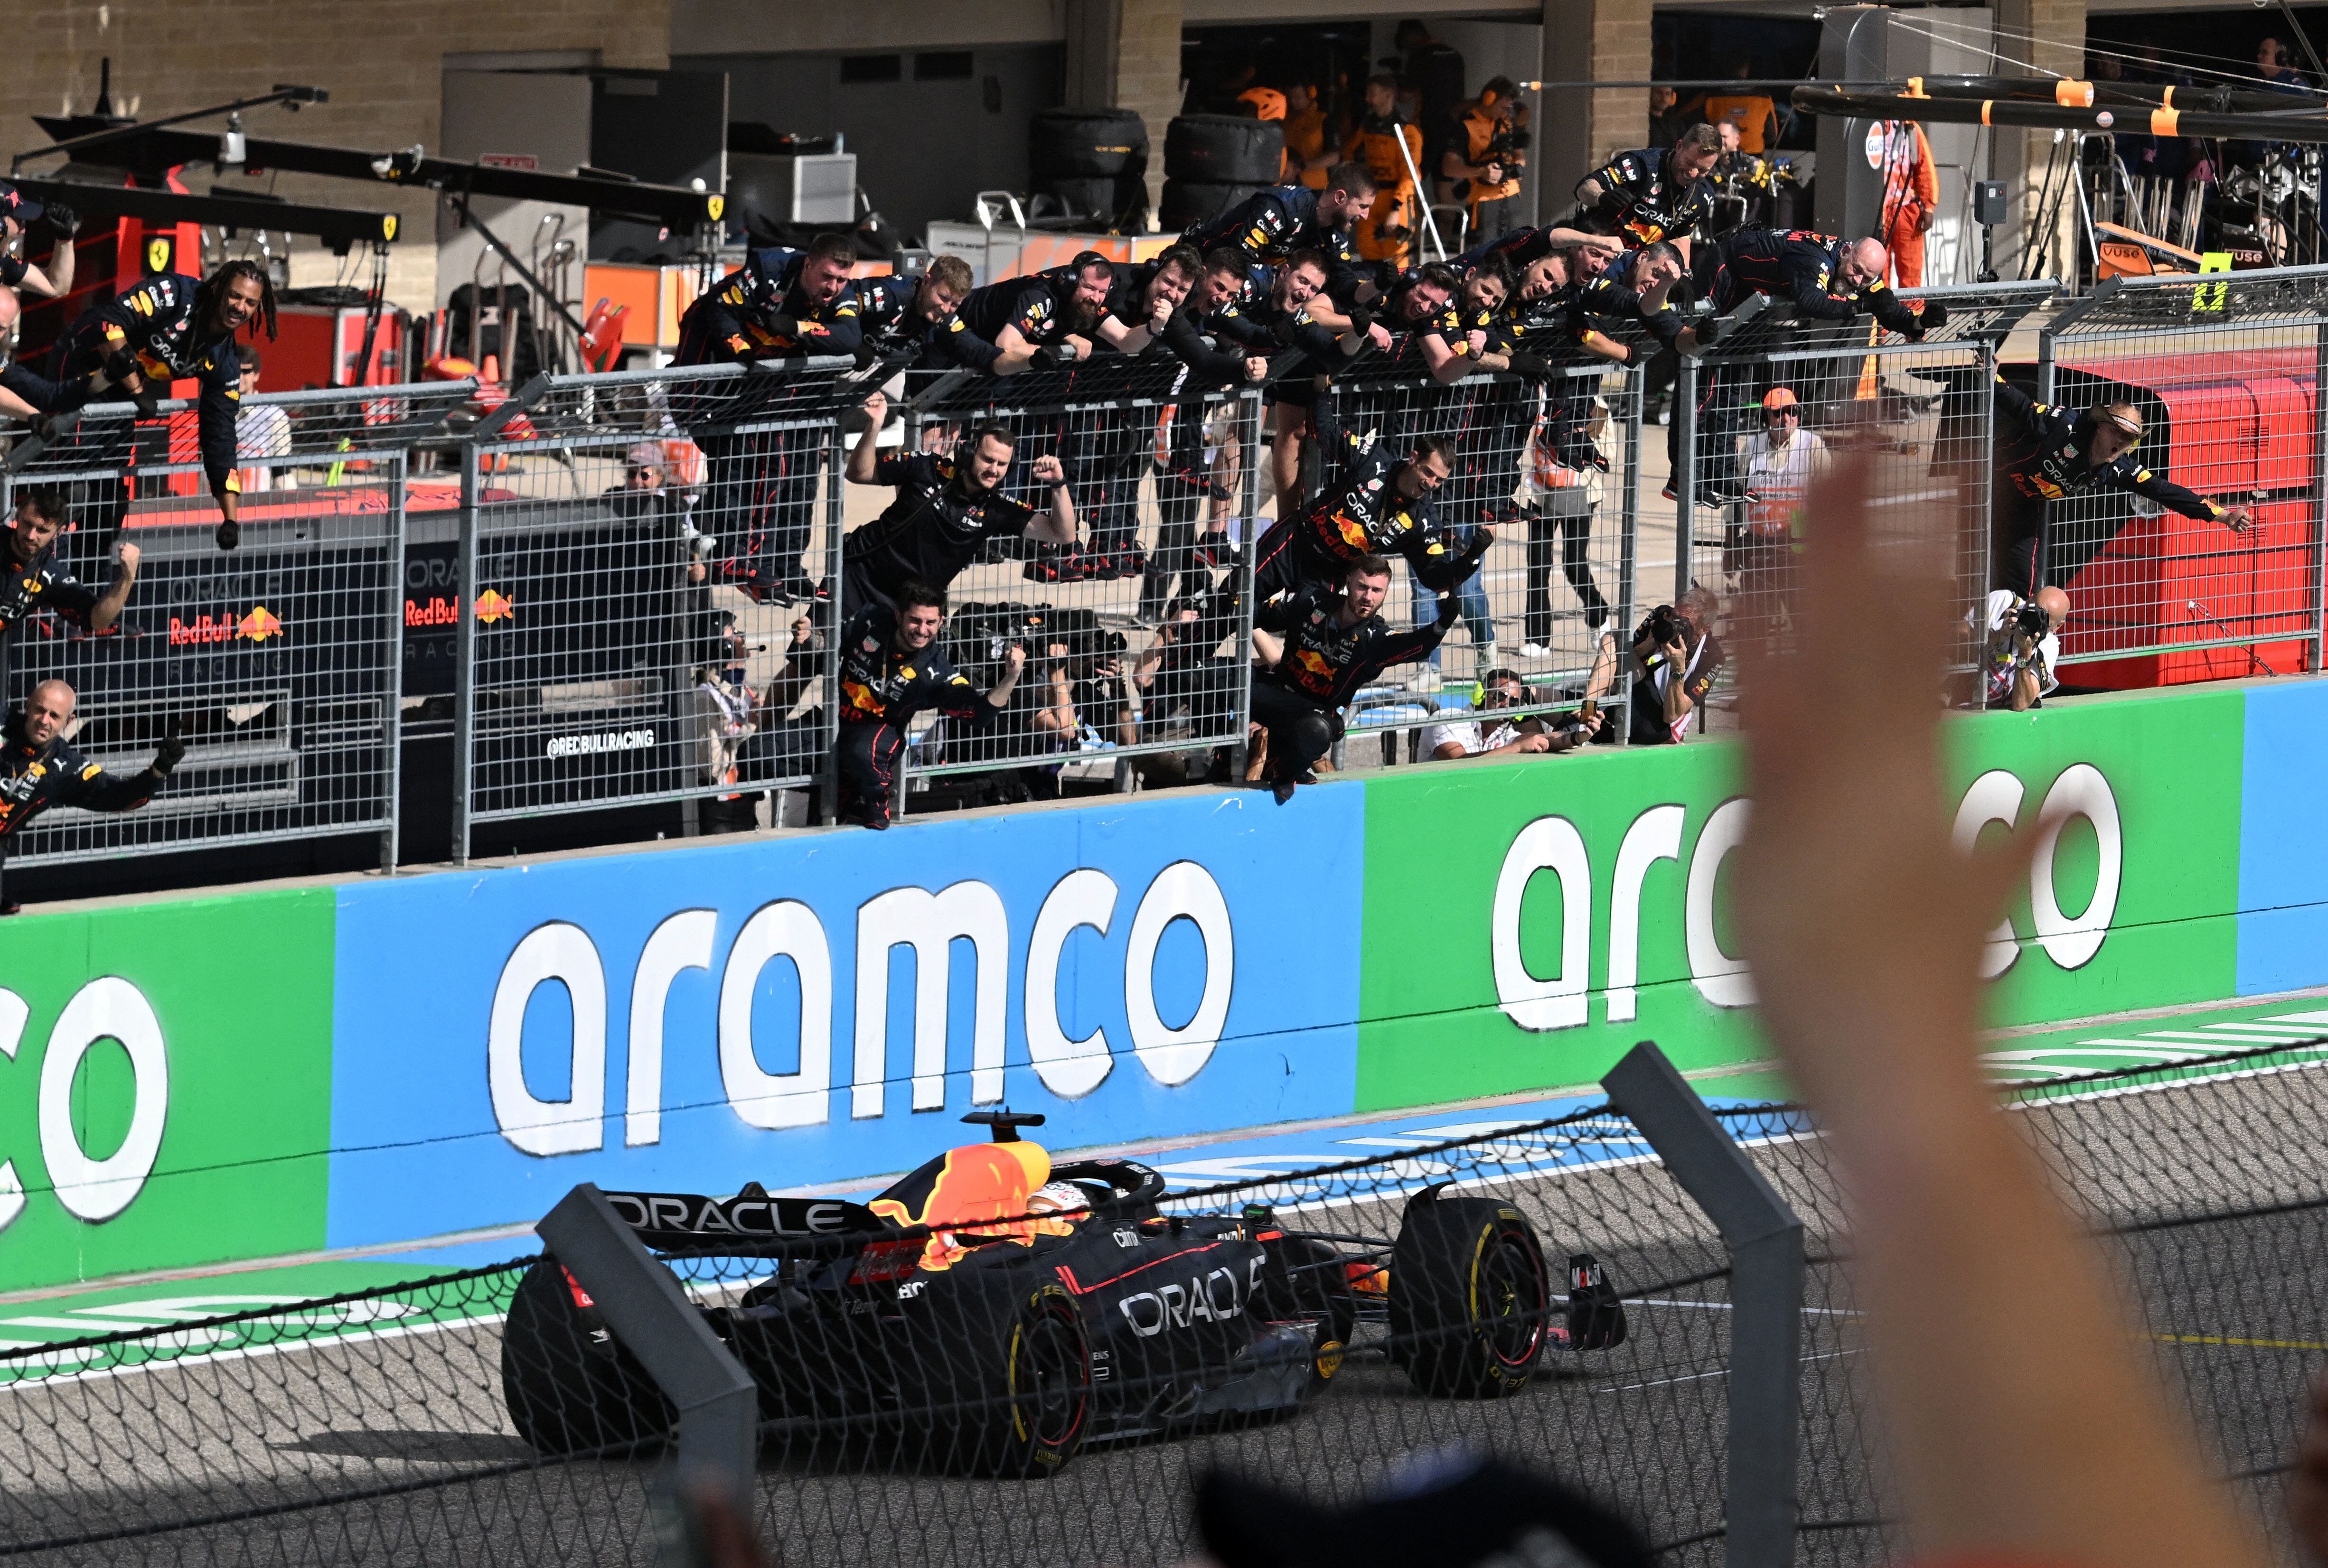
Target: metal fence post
(464, 650)
(2316, 587)
(394, 719)
(718, 1402)
(1684, 470)
(1629, 540)
(1765, 1239)
(836, 613)
(1249, 503)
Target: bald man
(1824, 278)
(38, 769)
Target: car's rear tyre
(1307, 1280)
(1011, 1393)
(1470, 1302)
(570, 1388)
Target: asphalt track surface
(375, 1431)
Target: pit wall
(196, 1080)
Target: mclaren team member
(1379, 503)
(168, 328)
(890, 670)
(761, 489)
(1480, 166)
(1392, 151)
(1044, 319)
(2045, 454)
(1655, 193)
(33, 579)
(946, 509)
(1315, 648)
(1824, 279)
(898, 314)
(18, 213)
(38, 769)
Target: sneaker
(1282, 789)
(1483, 659)
(1535, 651)
(1077, 565)
(1106, 567)
(1131, 563)
(1425, 679)
(1213, 550)
(1042, 568)
(1307, 776)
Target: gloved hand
(867, 355)
(230, 535)
(1709, 332)
(120, 365)
(1449, 608)
(62, 220)
(171, 752)
(1612, 205)
(783, 326)
(1362, 319)
(1935, 315)
(1530, 366)
(1048, 358)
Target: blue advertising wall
(1194, 967)
(2284, 839)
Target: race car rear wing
(750, 1223)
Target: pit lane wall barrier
(265, 1072)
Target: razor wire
(474, 1418)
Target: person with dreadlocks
(168, 328)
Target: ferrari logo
(387, 226)
(157, 253)
(714, 207)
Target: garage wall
(383, 67)
(911, 176)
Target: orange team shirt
(1750, 112)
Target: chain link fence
(2223, 372)
(278, 662)
(1000, 1386)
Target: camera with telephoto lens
(2031, 621)
(1662, 628)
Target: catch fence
(522, 1413)
(278, 663)
(2223, 372)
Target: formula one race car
(992, 1313)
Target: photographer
(1313, 650)
(946, 509)
(2024, 646)
(38, 769)
(1480, 166)
(1675, 656)
(31, 576)
(890, 670)
(1501, 690)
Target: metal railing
(2224, 370)
(618, 590)
(278, 663)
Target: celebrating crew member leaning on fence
(1378, 504)
(1453, 340)
(1654, 193)
(900, 314)
(946, 509)
(38, 769)
(168, 328)
(33, 579)
(1141, 298)
(1279, 311)
(761, 488)
(2045, 454)
(1315, 648)
(890, 670)
(1044, 319)
(1271, 225)
(18, 213)
(1222, 346)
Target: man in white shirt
(1492, 735)
(2025, 648)
(1783, 461)
(260, 429)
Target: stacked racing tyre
(1212, 162)
(1471, 1300)
(1095, 160)
(570, 1388)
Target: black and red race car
(992, 1313)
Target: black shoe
(1307, 776)
(1284, 790)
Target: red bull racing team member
(33, 579)
(1655, 193)
(1379, 504)
(946, 509)
(1044, 320)
(2046, 453)
(890, 670)
(1272, 225)
(18, 213)
(902, 316)
(168, 328)
(761, 489)
(38, 769)
(1315, 648)
(1106, 458)
(1141, 298)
